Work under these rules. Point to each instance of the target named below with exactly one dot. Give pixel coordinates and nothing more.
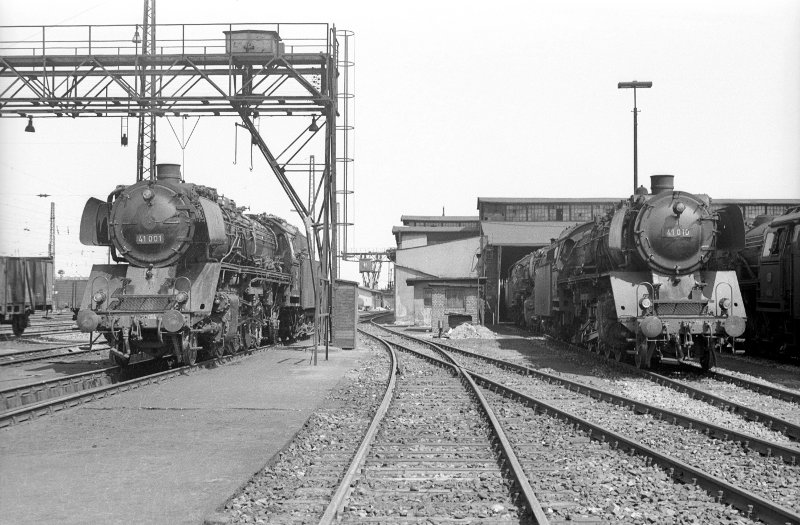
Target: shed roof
(523, 233)
(440, 218)
(434, 229)
(546, 200)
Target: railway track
(688, 453)
(44, 398)
(435, 451)
(38, 333)
(50, 352)
(777, 409)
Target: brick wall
(440, 311)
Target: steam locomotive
(769, 273)
(195, 276)
(636, 282)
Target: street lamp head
(635, 84)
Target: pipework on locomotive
(637, 281)
(194, 274)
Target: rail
(753, 505)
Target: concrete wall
(404, 294)
(455, 259)
(413, 240)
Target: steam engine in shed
(769, 272)
(636, 282)
(193, 274)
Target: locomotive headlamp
(645, 303)
(99, 297)
(678, 208)
(182, 297)
(148, 194)
(725, 304)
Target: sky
(455, 101)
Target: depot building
(451, 269)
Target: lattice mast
(51, 248)
(146, 150)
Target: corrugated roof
(435, 229)
(546, 200)
(582, 200)
(523, 233)
(440, 218)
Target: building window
(516, 213)
(775, 209)
(598, 210)
(581, 212)
(456, 298)
(493, 212)
(753, 210)
(427, 300)
(557, 213)
(538, 212)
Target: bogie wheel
(619, 355)
(606, 351)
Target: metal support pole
(634, 85)
(635, 144)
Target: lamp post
(634, 85)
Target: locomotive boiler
(194, 274)
(636, 282)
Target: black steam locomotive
(194, 275)
(636, 282)
(769, 273)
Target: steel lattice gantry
(193, 69)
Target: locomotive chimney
(661, 183)
(168, 172)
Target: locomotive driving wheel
(189, 349)
(252, 334)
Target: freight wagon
(27, 287)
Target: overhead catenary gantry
(249, 71)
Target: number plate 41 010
(677, 232)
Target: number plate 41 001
(149, 238)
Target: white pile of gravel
(470, 331)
